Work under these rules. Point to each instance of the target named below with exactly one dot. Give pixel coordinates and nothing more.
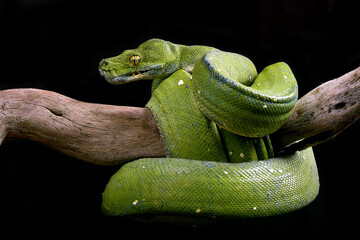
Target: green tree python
(214, 113)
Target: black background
(57, 44)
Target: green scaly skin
(214, 114)
(159, 59)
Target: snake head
(154, 58)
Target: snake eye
(135, 60)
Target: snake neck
(186, 58)
(189, 55)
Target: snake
(215, 116)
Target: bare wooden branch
(321, 114)
(110, 135)
(96, 133)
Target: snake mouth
(129, 76)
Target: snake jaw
(130, 75)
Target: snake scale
(214, 113)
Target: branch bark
(110, 135)
(321, 114)
(96, 133)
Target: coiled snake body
(214, 114)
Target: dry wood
(110, 135)
(96, 133)
(321, 114)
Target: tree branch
(321, 114)
(96, 133)
(110, 135)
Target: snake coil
(214, 114)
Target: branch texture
(321, 114)
(96, 133)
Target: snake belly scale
(214, 113)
